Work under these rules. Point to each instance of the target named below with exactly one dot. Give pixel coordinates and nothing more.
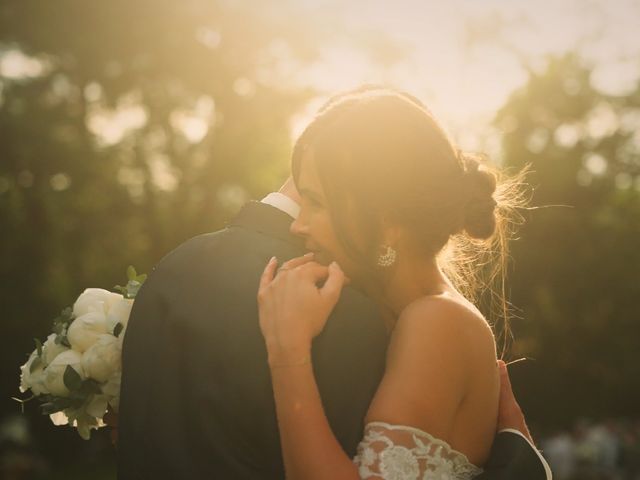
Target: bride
(389, 204)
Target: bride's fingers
(267, 275)
(314, 271)
(333, 286)
(295, 262)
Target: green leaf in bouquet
(37, 362)
(38, 346)
(134, 283)
(66, 316)
(63, 320)
(23, 401)
(72, 379)
(90, 386)
(56, 404)
(132, 288)
(48, 408)
(131, 273)
(75, 399)
(117, 330)
(61, 403)
(63, 340)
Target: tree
(573, 275)
(128, 127)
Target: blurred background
(127, 127)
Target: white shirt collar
(283, 203)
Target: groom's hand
(509, 412)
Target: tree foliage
(574, 277)
(129, 127)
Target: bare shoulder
(443, 322)
(440, 355)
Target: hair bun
(480, 183)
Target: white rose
(103, 358)
(51, 349)
(120, 311)
(85, 330)
(54, 373)
(94, 299)
(33, 381)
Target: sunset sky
(464, 57)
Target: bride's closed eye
(311, 198)
(313, 203)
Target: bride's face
(314, 222)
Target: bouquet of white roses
(76, 372)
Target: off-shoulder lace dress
(398, 452)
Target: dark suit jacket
(196, 399)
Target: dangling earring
(387, 258)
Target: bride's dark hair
(380, 154)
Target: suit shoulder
(186, 256)
(189, 247)
(192, 246)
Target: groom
(196, 398)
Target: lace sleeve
(397, 452)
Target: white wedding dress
(398, 452)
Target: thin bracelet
(306, 360)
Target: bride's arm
(441, 376)
(292, 311)
(309, 447)
(436, 354)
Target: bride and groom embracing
(323, 334)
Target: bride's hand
(293, 309)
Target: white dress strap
(399, 452)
